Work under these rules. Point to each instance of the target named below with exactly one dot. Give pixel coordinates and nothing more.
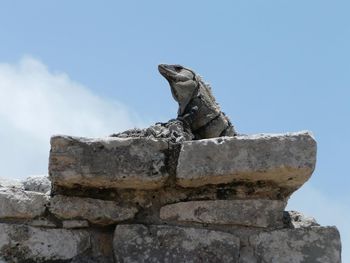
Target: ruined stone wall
(141, 199)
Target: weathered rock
(16, 203)
(75, 223)
(110, 162)
(296, 219)
(284, 160)
(95, 211)
(42, 222)
(247, 255)
(22, 243)
(37, 183)
(257, 213)
(139, 243)
(313, 244)
(11, 183)
(101, 248)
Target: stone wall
(142, 199)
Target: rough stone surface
(42, 223)
(303, 245)
(95, 211)
(11, 183)
(286, 160)
(108, 163)
(139, 243)
(37, 183)
(296, 219)
(246, 255)
(21, 243)
(75, 223)
(258, 213)
(101, 248)
(16, 203)
(158, 197)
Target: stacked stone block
(150, 200)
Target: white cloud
(36, 103)
(327, 211)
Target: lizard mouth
(166, 71)
(169, 71)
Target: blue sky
(275, 66)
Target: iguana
(197, 106)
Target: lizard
(198, 108)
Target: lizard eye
(178, 68)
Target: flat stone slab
(302, 245)
(110, 162)
(139, 243)
(257, 213)
(22, 243)
(285, 160)
(94, 210)
(17, 203)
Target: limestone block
(37, 183)
(94, 210)
(258, 213)
(16, 203)
(22, 243)
(284, 160)
(313, 244)
(139, 243)
(110, 162)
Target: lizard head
(176, 73)
(183, 83)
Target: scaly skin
(197, 106)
